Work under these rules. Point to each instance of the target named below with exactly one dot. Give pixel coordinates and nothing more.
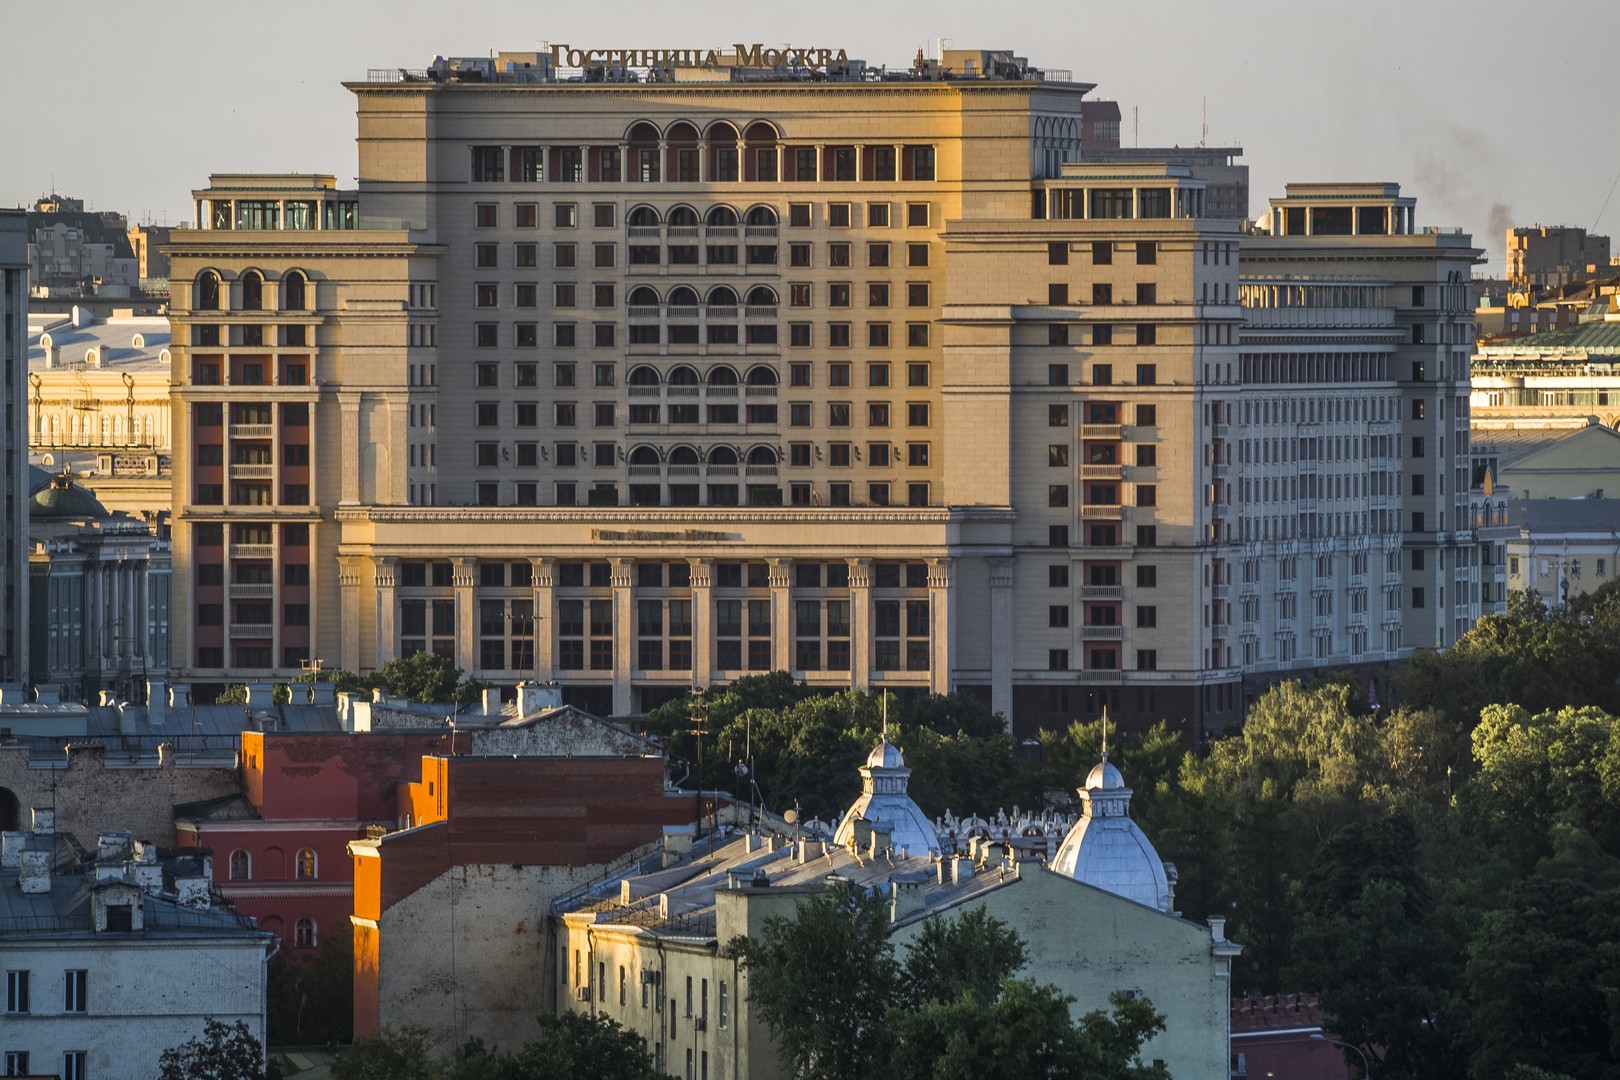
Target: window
(241, 866)
(1147, 253)
(917, 454)
(877, 215)
(1057, 293)
(304, 865)
(485, 215)
(1057, 659)
(1147, 415)
(485, 256)
(74, 983)
(1147, 495)
(1102, 374)
(565, 215)
(798, 254)
(1147, 577)
(838, 335)
(916, 254)
(1147, 536)
(837, 294)
(304, 933)
(1147, 455)
(1057, 416)
(917, 414)
(1102, 334)
(16, 991)
(563, 256)
(877, 254)
(917, 217)
(526, 216)
(17, 1063)
(877, 335)
(1147, 616)
(73, 1065)
(1147, 660)
(1057, 455)
(1057, 254)
(917, 294)
(1102, 253)
(799, 215)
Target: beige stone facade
(641, 386)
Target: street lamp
(1366, 1066)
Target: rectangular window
(75, 983)
(73, 1065)
(1057, 254)
(917, 215)
(16, 991)
(1102, 253)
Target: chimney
(1217, 928)
(677, 843)
(322, 693)
(298, 693)
(260, 695)
(34, 871)
(809, 849)
(905, 896)
(379, 696)
(180, 696)
(961, 870)
(157, 702)
(44, 821)
(863, 834)
(533, 697)
(882, 838)
(492, 701)
(11, 848)
(112, 845)
(51, 694)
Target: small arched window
(252, 291)
(683, 217)
(304, 868)
(762, 296)
(762, 215)
(683, 296)
(722, 455)
(304, 933)
(683, 455)
(760, 375)
(721, 216)
(207, 291)
(683, 376)
(643, 376)
(643, 296)
(722, 376)
(644, 455)
(293, 291)
(762, 455)
(722, 296)
(642, 217)
(241, 866)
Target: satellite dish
(790, 816)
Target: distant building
(1226, 183)
(73, 252)
(1564, 547)
(111, 959)
(1547, 255)
(146, 243)
(648, 949)
(98, 404)
(14, 463)
(1564, 375)
(1574, 459)
(100, 613)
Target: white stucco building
(104, 967)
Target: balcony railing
(253, 551)
(1102, 592)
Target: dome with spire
(884, 801)
(1107, 849)
(64, 500)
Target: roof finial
(885, 714)
(1105, 733)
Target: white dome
(885, 755)
(884, 800)
(1108, 850)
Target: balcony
(239, 591)
(762, 470)
(1103, 633)
(253, 551)
(240, 631)
(252, 472)
(1114, 512)
(1101, 431)
(252, 431)
(1102, 472)
(1102, 592)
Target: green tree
(311, 997)
(573, 1044)
(967, 955)
(428, 678)
(829, 968)
(223, 1052)
(397, 1053)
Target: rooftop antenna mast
(1203, 138)
(1136, 125)
(1105, 733)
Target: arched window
(643, 376)
(683, 376)
(683, 296)
(642, 216)
(252, 291)
(304, 933)
(762, 296)
(682, 217)
(722, 376)
(292, 291)
(207, 291)
(723, 161)
(722, 455)
(644, 455)
(241, 866)
(683, 455)
(762, 215)
(721, 216)
(304, 868)
(762, 455)
(722, 296)
(643, 296)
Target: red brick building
(451, 916)
(280, 847)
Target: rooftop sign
(755, 55)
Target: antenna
(885, 714)
(1105, 733)
(1136, 125)
(1203, 138)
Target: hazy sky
(1491, 113)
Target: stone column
(1001, 637)
(545, 618)
(702, 621)
(942, 631)
(781, 579)
(624, 632)
(349, 404)
(464, 576)
(860, 623)
(349, 610)
(384, 571)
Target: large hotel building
(642, 384)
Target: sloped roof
(1516, 446)
(1590, 337)
(1553, 516)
